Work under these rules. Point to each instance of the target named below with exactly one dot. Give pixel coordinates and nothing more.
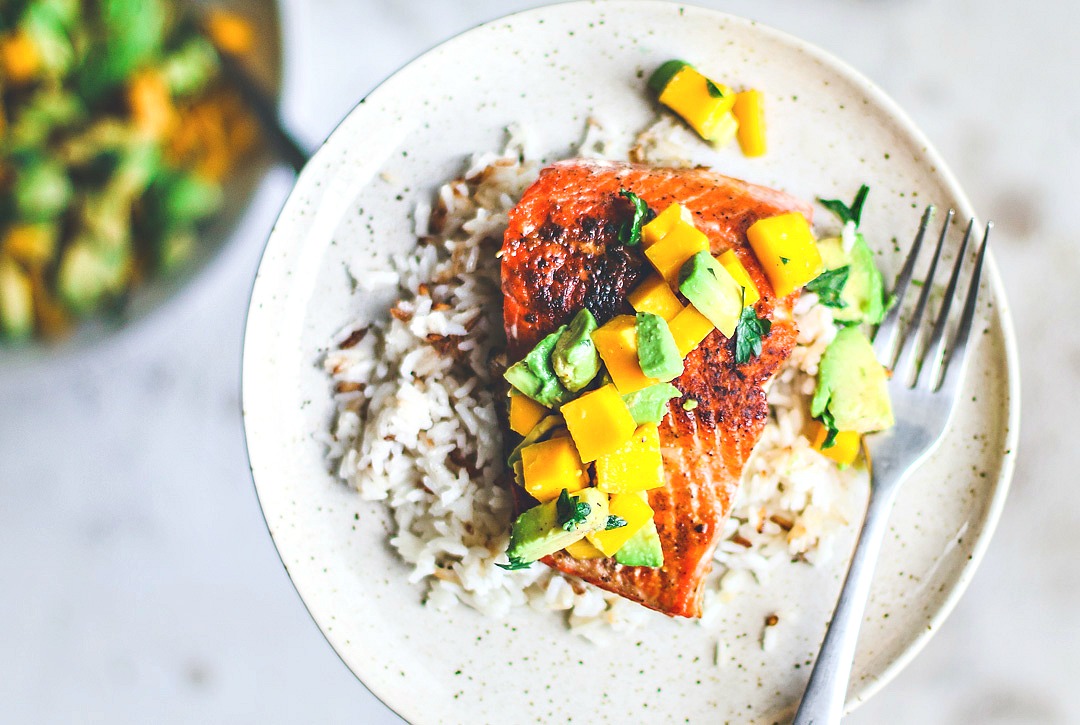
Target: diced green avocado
(650, 405)
(658, 354)
(88, 274)
(16, 302)
(42, 190)
(852, 385)
(540, 432)
(864, 292)
(575, 359)
(713, 291)
(662, 75)
(534, 376)
(541, 530)
(642, 549)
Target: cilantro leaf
(714, 90)
(570, 511)
(614, 522)
(748, 333)
(630, 233)
(829, 285)
(515, 564)
(830, 424)
(847, 213)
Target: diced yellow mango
(658, 228)
(599, 422)
(31, 244)
(787, 251)
(630, 507)
(689, 328)
(616, 341)
(20, 59)
(635, 466)
(524, 413)
(749, 109)
(730, 261)
(655, 296)
(583, 549)
(846, 448)
(550, 466)
(689, 94)
(678, 245)
(724, 129)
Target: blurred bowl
(264, 65)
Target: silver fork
(924, 388)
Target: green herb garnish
(748, 333)
(829, 285)
(847, 213)
(714, 90)
(515, 564)
(614, 522)
(784, 260)
(630, 233)
(830, 424)
(570, 511)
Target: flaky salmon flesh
(561, 252)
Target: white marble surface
(139, 583)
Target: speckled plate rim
(310, 177)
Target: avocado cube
(713, 291)
(538, 532)
(658, 354)
(574, 357)
(650, 405)
(852, 385)
(643, 548)
(534, 375)
(863, 294)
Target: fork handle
(823, 700)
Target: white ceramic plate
(549, 69)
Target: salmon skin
(561, 252)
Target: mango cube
(730, 261)
(846, 448)
(525, 413)
(631, 508)
(616, 341)
(636, 466)
(689, 328)
(749, 110)
(599, 422)
(583, 549)
(725, 129)
(550, 466)
(655, 296)
(787, 251)
(658, 228)
(701, 102)
(678, 245)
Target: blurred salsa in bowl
(126, 156)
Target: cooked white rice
(417, 425)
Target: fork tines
(897, 343)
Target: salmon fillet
(561, 253)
